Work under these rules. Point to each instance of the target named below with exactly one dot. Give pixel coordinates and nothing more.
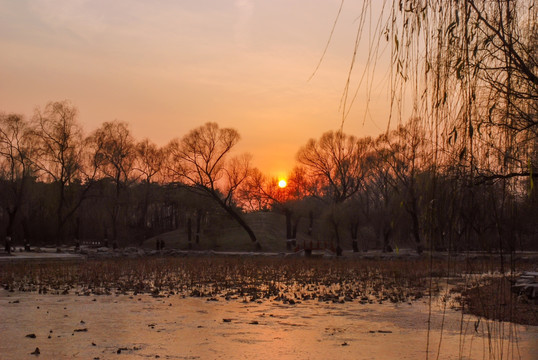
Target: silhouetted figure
(158, 244)
(105, 240)
(162, 244)
(27, 246)
(114, 245)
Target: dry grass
(249, 279)
(287, 280)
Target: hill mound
(224, 234)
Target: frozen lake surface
(144, 327)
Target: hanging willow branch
(471, 68)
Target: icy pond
(146, 327)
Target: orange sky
(166, 67)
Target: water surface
(143, 327)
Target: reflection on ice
(173, 327)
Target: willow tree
(201, 160)
(148, 163)
(470, 69)
(60, 158)
(114, 154)
(17, 151)
(337, 164)
(405, 151)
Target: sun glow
(282, 183)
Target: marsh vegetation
(285, 280)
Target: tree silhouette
(201, 160)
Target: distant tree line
(58, 185)
(395, 190)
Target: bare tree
(114, 153)
(201, 160)
(380, 186)
(60, 156)
(337, 163)
(149, 160)
(404, 150)
(16, 168)
(148, 163)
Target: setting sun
(282, 183)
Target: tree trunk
(386, 238)
(294, 231)
(59, 217)
(11, 221)
(337, 234)
(354, 236)
(237, 218)
(198, 225)
(189, 233)
(144, 213)
(289, 236)
(416, 232)
(310, 222)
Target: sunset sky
(168, 66)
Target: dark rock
(227, 320)
(81, 330)
(31, 336)
(36, 351)
(121, 349)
